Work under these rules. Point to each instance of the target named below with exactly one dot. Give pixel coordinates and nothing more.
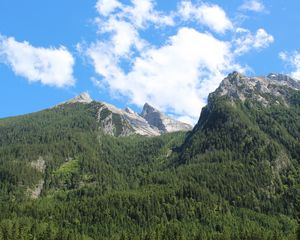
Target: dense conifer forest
(235, 176)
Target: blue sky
(168, 53)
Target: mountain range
(87, 170)
(119, 122)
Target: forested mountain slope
(125, 122)
(246, 144)
(236, 175)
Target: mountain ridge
(150, 122)
(262, 89)
(236, 175)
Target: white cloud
(122, 23)
(253, 5)
(105, 7)
(246, 41)
(210, 15)
(143, 12)
(124, 36)
(293, 59)
(176, 75)
(139, 13)
(50, 66)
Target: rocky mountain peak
(235, 75)
(124, 122)
(261, 88)
(148, 109)
(284, 80)
(163, 123)
(82, 98)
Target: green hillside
(235, 176)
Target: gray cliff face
(115, 121)
(154, 117)
(284, 80)
(162, 122)
(119, 122)
(267, 90)
(82, 98)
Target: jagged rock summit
(264, 89)
(82, 98)
(115, 121)
(286, 80)
(119, 122)
(162, 122)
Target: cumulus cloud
(211, 15)
(124, 36)
(293, 60)
(143, 11)
(253, 5)
(50, 66)
(169, 76)
(138, 13)
(105, 7)
(246, 41)
(176, 75)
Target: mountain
(82, 98)
(65, 172)
(119, 122)
(261, 89)
(248, 136)
(162, 122)
(247, 117)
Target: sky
(171, 54)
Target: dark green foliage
(235, 176)
(248, 153)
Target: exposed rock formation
(82, 98)
(163, 123)
(39, 165)
(119, 122)
(267, 89)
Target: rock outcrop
(163, 123)
(82, 98)
(119, 122)
(270, 89)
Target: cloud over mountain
(178, 73)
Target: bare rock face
(35, 192)
(150, 122)
(163, 123)
(82, 98)
(119, 122)
(39, 165)
(153, 117)
(264, 89)
(115, 121)
(284, 80)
